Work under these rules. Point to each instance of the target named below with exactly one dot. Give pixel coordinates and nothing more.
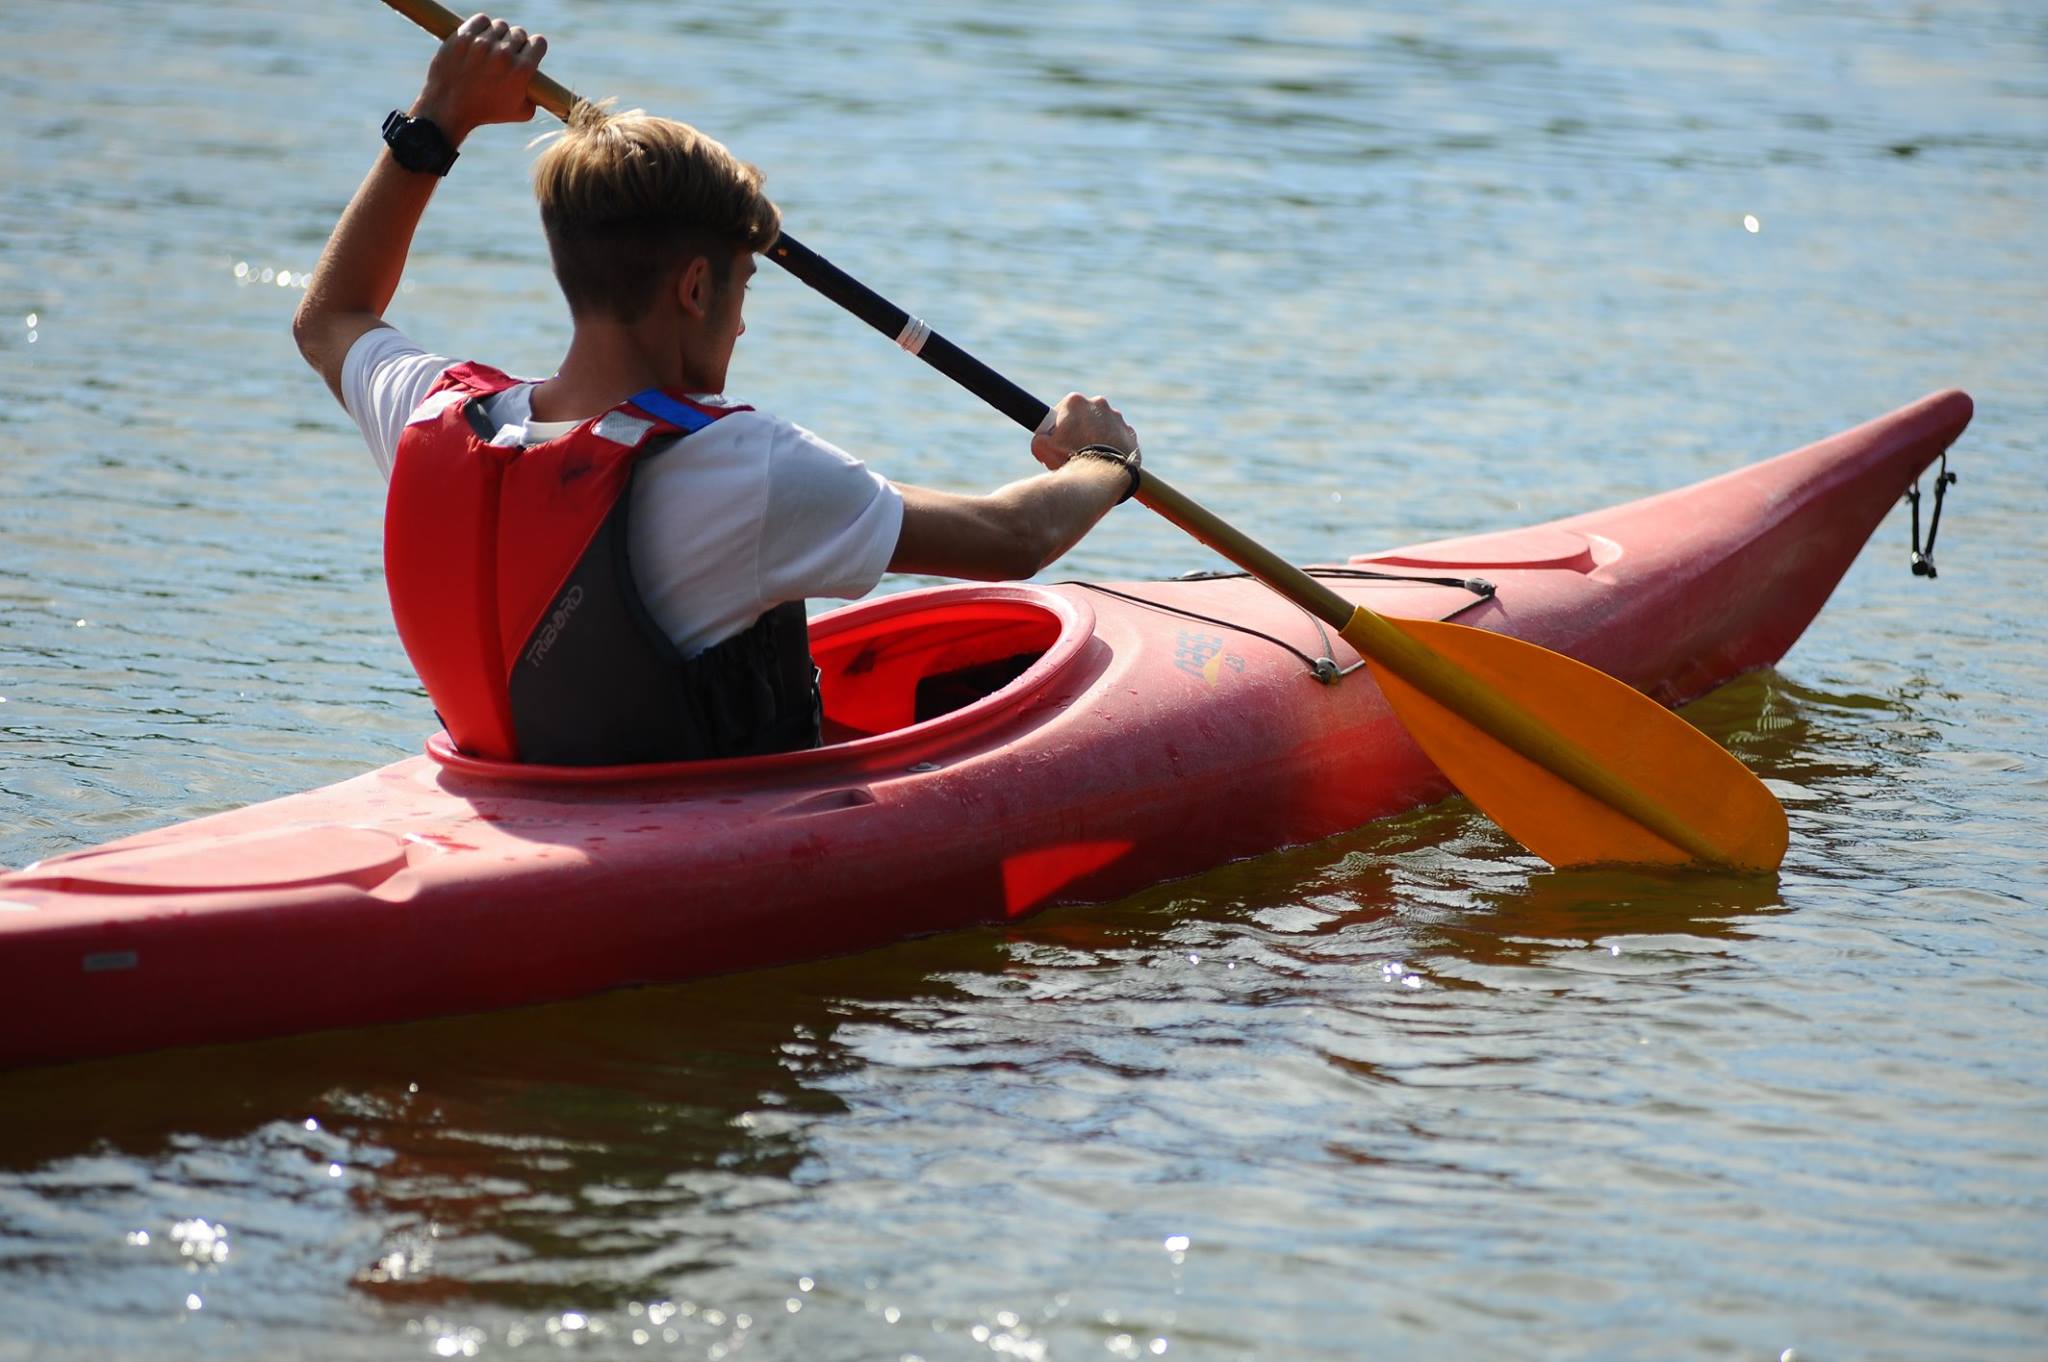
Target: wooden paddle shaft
(441, 21)
(970, 373)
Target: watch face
(414, 144)
(418, 145)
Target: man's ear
(694, 287)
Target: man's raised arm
(480, 75)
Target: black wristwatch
(417, 144)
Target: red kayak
(993, 750)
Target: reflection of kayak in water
(995, 750)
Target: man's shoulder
(782, 462)
(384, 377)
(794, 449)
(784, 447)
(742, 417)
(738, 434)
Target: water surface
(1362, 276)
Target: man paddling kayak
(609, 565)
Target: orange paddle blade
(1580, 768)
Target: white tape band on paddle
(915, 333)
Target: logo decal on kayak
(1202, 655)
(545, 640)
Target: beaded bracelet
(1128, 459)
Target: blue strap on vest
(668, 409)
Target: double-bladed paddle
(1579, 767)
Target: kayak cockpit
(889, 671)
(906, 672)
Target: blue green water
(1361, 277)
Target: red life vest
(511, 583)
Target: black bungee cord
(1923, 559)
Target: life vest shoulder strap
(476, 379)
(686, 414)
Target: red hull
(1140, 745)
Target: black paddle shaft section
(1028, 412)
(893, 322)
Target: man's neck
(609, 361)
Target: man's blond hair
(626, 199)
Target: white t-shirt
(748, 513)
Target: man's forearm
(367, 250)
(365, 256)
(360, 268)
(1012, 532)
(1064, 505)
